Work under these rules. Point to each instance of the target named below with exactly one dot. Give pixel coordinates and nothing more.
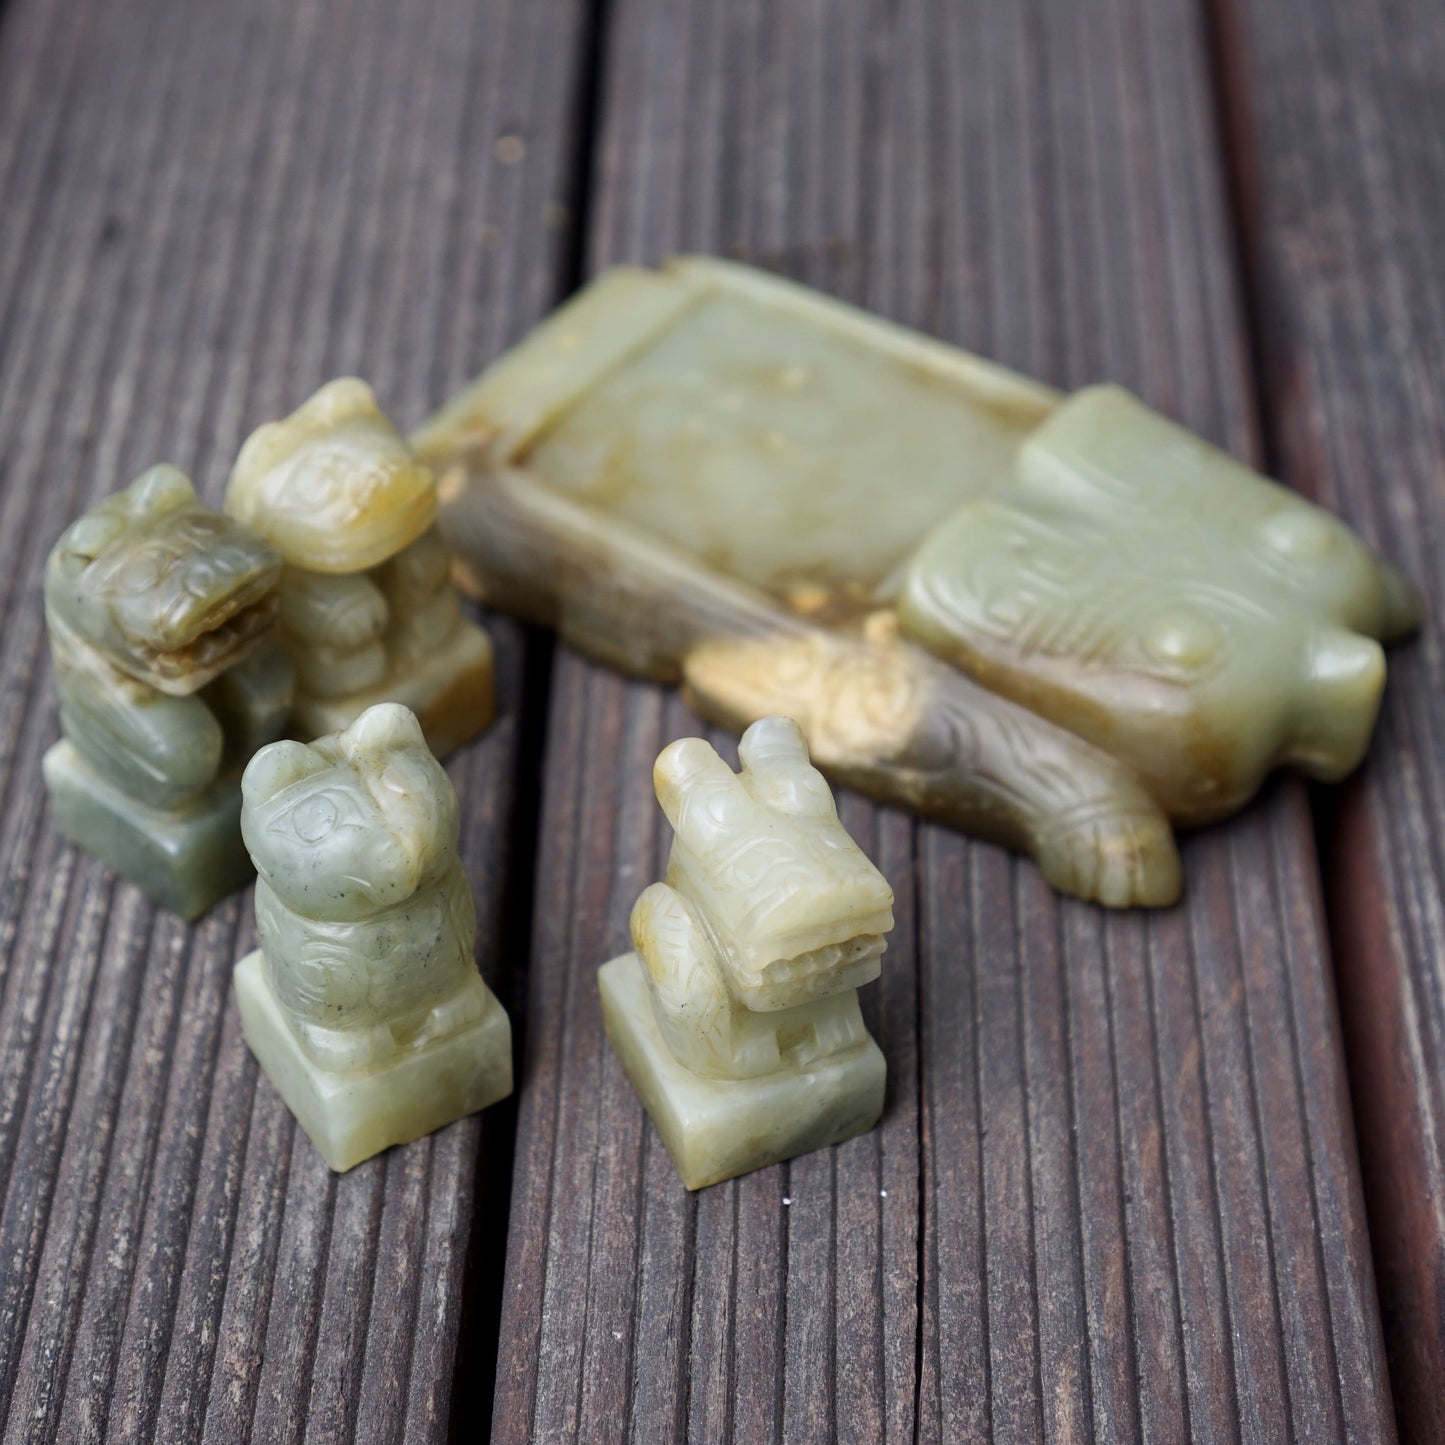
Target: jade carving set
(187, 643)
(1062, 622)
(185, 639)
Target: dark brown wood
(1338, 113)
(1114, 1191)
(210, 209)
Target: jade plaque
(1061, 622)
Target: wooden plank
(1114, 1189)
(209, 209)
(1337, 117)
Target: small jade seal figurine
(159, 611)
(368, 610)
(363, 1003)
(737, 1017)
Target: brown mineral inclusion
(1062, 622)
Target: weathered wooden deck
(1117, 1189)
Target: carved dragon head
(333, 487)
(169, 591)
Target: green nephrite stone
(351, 1115)
(1206, 631)
(363, 1004)
(368, 613)
(184, 858)
(737, 1017)
(1059, 622)
(158, 611)
(716, 1129)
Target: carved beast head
(168, 590)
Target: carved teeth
(826, 970)
(211, 651)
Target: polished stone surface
(1062, 623)
(716, 1129)
(186, 857)
(737, 1017)
(368, 610)
(364, 1004)
(1160, 599)
(351, 1115)
(158, 611)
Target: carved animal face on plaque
(354, 823)
(333, 487)
(1162, 600)
(169, 591)
(794, 908)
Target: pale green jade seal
(368, 610)
(364, 1004)
(159, 611)
(737, 1017)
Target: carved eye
(1182, 639)
(317, 481)
(751, 867)
(208, 576)
(373, 478)
(316, 817)
(200, 529)
(139, 574)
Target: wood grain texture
(1114, 1191)
(1338, 114)
(210, 209)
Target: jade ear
(92, 534)
(278, 766)
(700, 795)
(387, 727)
(779, 772)
(343, 399)
(160, 488)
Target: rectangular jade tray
(1063, 622)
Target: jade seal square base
(185, 858)
(351, 1115)
(450, 691)
(717, 1128)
